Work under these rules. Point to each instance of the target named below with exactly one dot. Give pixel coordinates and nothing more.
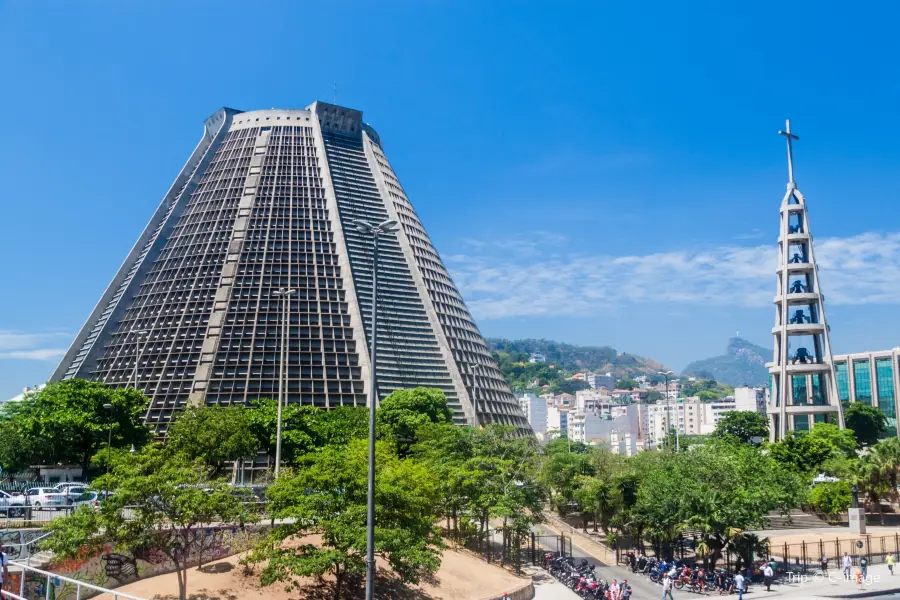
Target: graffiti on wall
(110, 569)
(19, 543)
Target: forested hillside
(563, 360)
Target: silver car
(45, 498)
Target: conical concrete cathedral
(267, 201)
(802, 372)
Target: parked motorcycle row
(580, 577)
(694, 579)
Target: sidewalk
(601, 552)
(547, 587)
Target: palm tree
(876, 474)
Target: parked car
(46, 497)
(73, 491)
(69, 484)
(12, 506)
(85, 498)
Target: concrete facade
(802, 371)
(268, 200)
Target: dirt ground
(461, 577)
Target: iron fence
(807, 555)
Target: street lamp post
(108, 408)
(285, 295)
(669, 412)
(374, 231)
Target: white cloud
(30, 346)
(863, 269)
(40, 354)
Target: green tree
(169, 500)
(214, 435)
(298, 436)
(742, 425)
(505, 467)
(446, 450)
(626, 384)
(867, 422)
(831, 498)
(598, 497)
(66, 423)
(403, 412)
(653, 397)
(807, 451)
(719, 489)
(340, 425)
(305, 429)
(559, 472)
(327, 496)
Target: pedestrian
(739, 585)
(847, 564)
(890, 562)
(626, 590)
(4, 574)
(864, 567)
(614, 590)
(825, 565)
(768, 575)
(667, 589)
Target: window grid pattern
(187, 186)
(799, 395)
(408, 353)
(175, 299)
(289, 244)
(862, 382)
(884, 382)
(483, 380)
(843, 381)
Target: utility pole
(666, 374)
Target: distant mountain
(742, 364)
(598, 359)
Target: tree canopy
(66, 422)
(213, 435)
(718, 488)
(742, 426)
(162, 501)
(867, 422)
(327, 495)
(808, 451)
(403, 412)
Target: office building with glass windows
(801, 372)
(872, 378)
(271, 200)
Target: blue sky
(597, 173)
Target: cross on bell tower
(802, 379)
(790, 137)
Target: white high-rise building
(535, 409)
(751, 399)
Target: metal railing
(52, 580)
